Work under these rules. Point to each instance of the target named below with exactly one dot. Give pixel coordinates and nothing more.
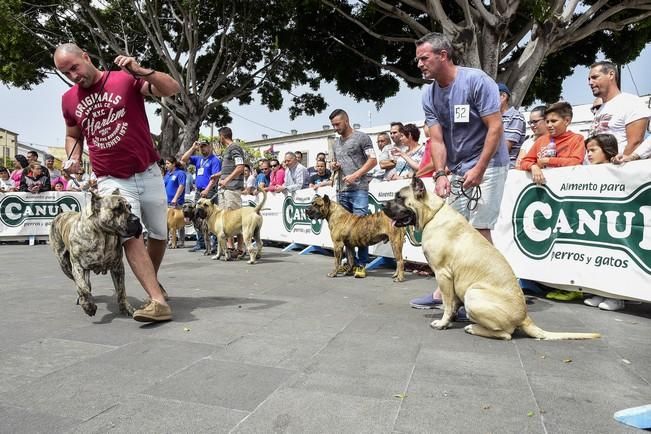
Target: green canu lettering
(541, 219)
(14, 210)
(294, 215)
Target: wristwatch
(438, 174)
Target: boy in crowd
(559, 148)
(321, 178)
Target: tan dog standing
(349, 230)
(228, 223)
(468, 268)
(175, 222)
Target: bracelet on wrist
(438, 174)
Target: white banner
(587, 227)
(28, 214)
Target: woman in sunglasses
(277, 176)
(538, 128)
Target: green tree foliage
(219, 51)
(367, 47)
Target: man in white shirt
(296, 176)
(621, 114)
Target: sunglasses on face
(274, 165)
(595, 108)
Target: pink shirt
(427, 158)
(16, 176)
(114, 124)
(277, 177)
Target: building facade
(8, 147)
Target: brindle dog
(91, 240)
(350, 231)
(200, 226)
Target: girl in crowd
(601, 149)
(6, 183)
(20, 163)
(35, 181)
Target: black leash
(473, 194)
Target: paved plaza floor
(280, 347)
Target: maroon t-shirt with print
(114, 123)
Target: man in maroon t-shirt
(107, 111)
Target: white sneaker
(594, 301)
(611, 304)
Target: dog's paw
(127, 309)
(89, 307)
(215, 257)
(439, 324)
(332, 274)
(398, 278)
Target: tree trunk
(519, 77)
(489, 49)
(168, 142)
(191, 131)
(468, 48)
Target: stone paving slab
(301, 411)
(280, 347)
(144, 413)
(226, 384)
(18, 420)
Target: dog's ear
(418, 187)
(326, 199)
(95, 202)
(116, 192)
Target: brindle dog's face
(319, 207)
(113, 214)
(189, 210)
(401, 209)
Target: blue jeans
(200, 241)
(356, 201)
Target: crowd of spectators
(31, 176)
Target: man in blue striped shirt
(514, 124)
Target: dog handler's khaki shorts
(485, 214)
(230, 199)
(145, 192)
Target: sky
(36, 115)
